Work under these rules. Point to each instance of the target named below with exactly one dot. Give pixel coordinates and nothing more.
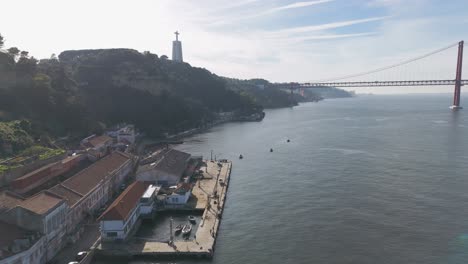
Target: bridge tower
(458, 78)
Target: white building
(20, 246)
(148, 200)
(126, 135)
(44, 213)
(97, 146)
(180, 195)
(121, 219)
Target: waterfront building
(177, 49)
(123, 133)
(89, 189)
(166, 168)
(121, 218)
(126, 135)
(19, 245)
(180, 194)
(148, 201)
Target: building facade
(121, 218)
(88, 190)
(20, 246)
(97, 146)
(179, 195)
(44, 214)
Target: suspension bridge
(375, 78)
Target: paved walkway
(87, 239)
(210, 193)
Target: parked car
(81, 255)
(73, 262)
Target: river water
(371, 179)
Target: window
(111, 234)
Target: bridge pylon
(458, 78)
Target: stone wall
(11, 175)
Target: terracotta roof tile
(9, 200)
(124, 204)
(99, 140)
(67, 194)
(42, 202)
(87, 179)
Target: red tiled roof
(183, 187)
(9, 200)
(87, 179)
(45, 173)
(42, 202)
(99, 140)
(67, 194)
(36, 174)
(124, 204)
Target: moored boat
(187, 229)
(178, 229)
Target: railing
(374, 84)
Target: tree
(26, 65)
(53, 56)
(2, 41)
(164, 57)
(13, 51)
(24, 54)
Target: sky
(278, 40)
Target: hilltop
(80, 92)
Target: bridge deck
(378, 83)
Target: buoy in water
(240, 156)
(288, 140)
(271, 150)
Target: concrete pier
(210, 195)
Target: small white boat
(178, 229)
(187, 229)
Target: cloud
(278, 46)
(329, 25)
(335, 36)
(230, 18)
(297, 5)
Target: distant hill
(262, 92)
(331, 92)
(269, 95)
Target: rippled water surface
(373, 179)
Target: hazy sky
(279, 40)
